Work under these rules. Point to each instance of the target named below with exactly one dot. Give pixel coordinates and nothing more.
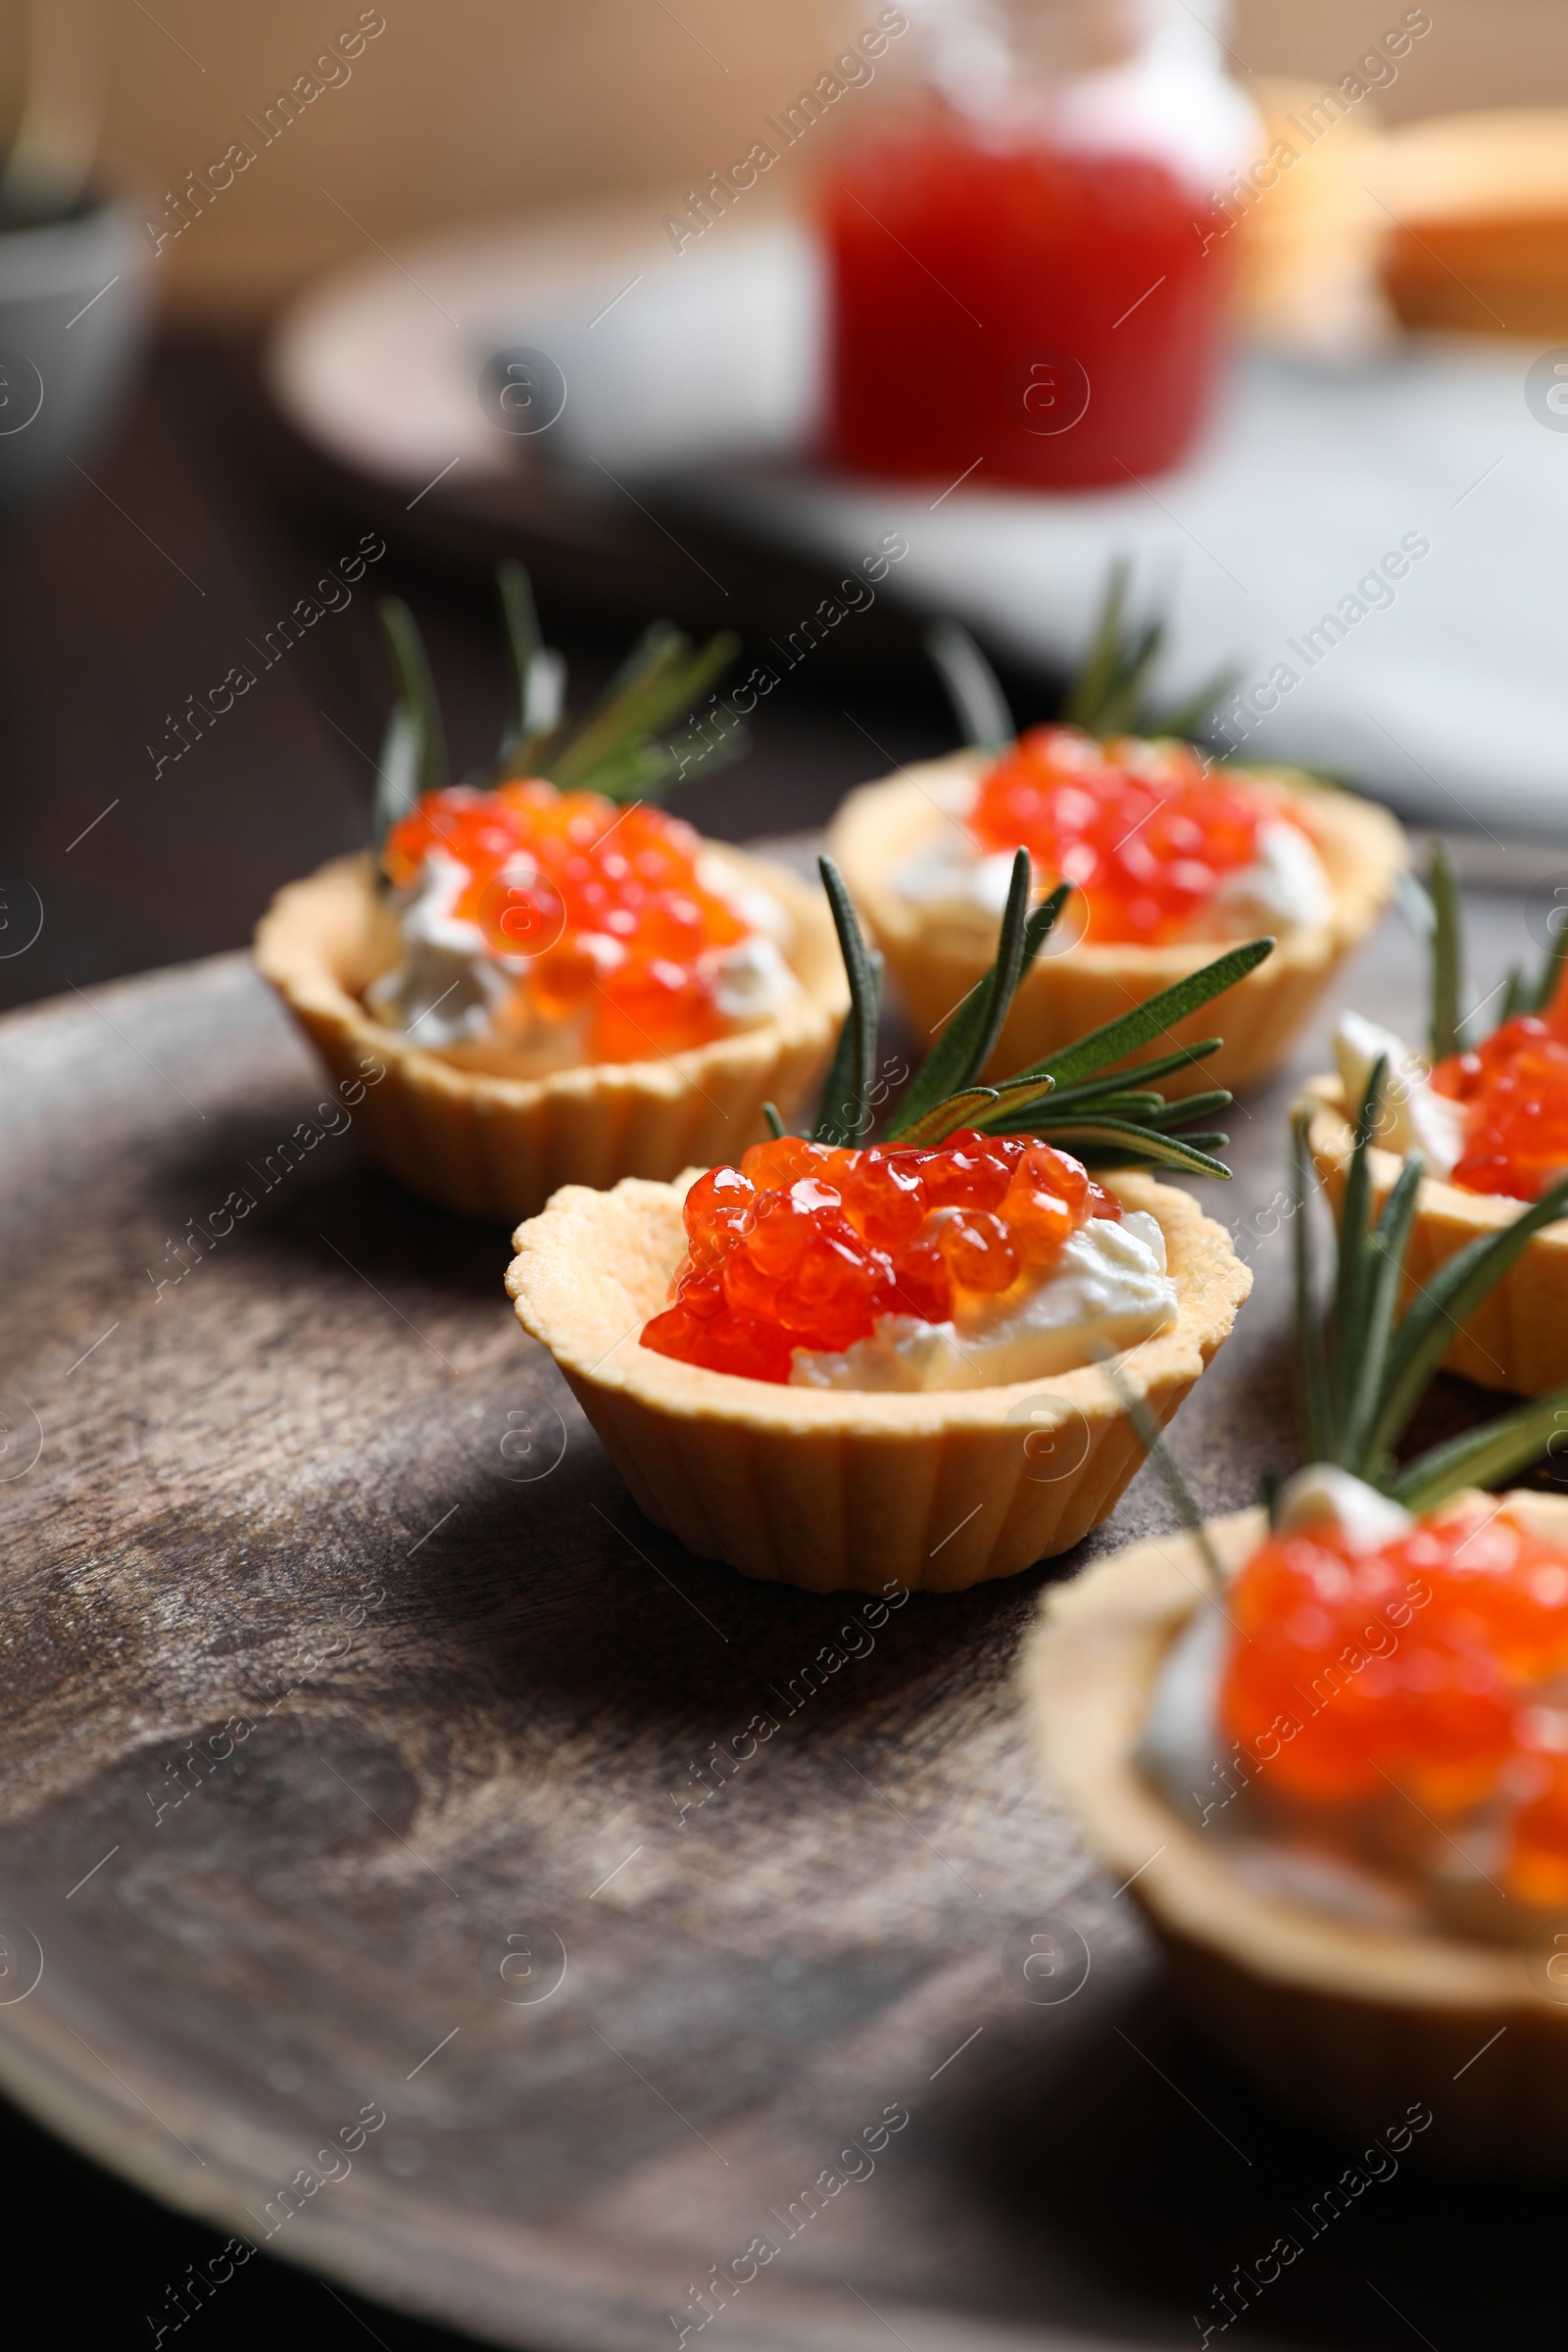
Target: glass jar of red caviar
(1028, 273)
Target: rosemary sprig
(1107, 696)
(1434, 912)
(973, 688)
(1108, 1117)
(538, 677)
(623, 750)
(1363, 1367)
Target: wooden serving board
(441, 1879)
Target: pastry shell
(1349, 2022)
(1518, 1338)
(497, 1146)
(836, 1490)
(935, 955)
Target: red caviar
(601, 905)
(1421, 1673)
(805, 1246)
(1146, 834)
(1515, 1089)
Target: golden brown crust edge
(836, 1491)
(935, 961)
(1518, 1339)
(1350, 2023)
(499, 1147)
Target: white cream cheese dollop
(1287, 884)
(1107, 1290)
(452, 989)
(1412, 1118)
(449, 988)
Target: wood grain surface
(442, 1879)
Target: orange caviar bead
(808, 1245)
(601, 907)
(1515, 1090)
(1142, 831)
(1420, 1670)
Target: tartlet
(627, 996)
(1341, 1936)
(872, 1471)
(843, 1490)
(1349, 2022)
(937, 954)
(499, 1147)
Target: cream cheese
(1287, 884)
(448, 987)
(1411, 1116)
(1109, 1290)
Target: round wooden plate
(440, 1878)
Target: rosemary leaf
(1016, 1099)
(844, 1111)
(1347, 1330)
(1189, 1106)
(620, 716)
(1101, 666)
(538, 677)
(1480, 1457)
(1311, 1370)
(1112, 1082)
(645, 770)
(959, 1053)
(1119, 711)
(972, 687)
(1445, 1300)
(1414, 902)
(1448, 953)
(397, 776)
(1118, 1144)
(947, 1116)
(658, 682)
(1388, 1249)
(1151, 1019)
(775, 1125)
(416, 691)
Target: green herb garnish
(1434, 912)
(1108, 1117)
(1364, 1366)
(1107, 696)
(623, 748)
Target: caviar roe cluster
(1515, 1090)
(1144, 834)
(602, 903)
(807, 1245)
(1426, 1664)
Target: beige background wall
(471, 108)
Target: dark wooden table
(481, 1710)
(197, 532)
